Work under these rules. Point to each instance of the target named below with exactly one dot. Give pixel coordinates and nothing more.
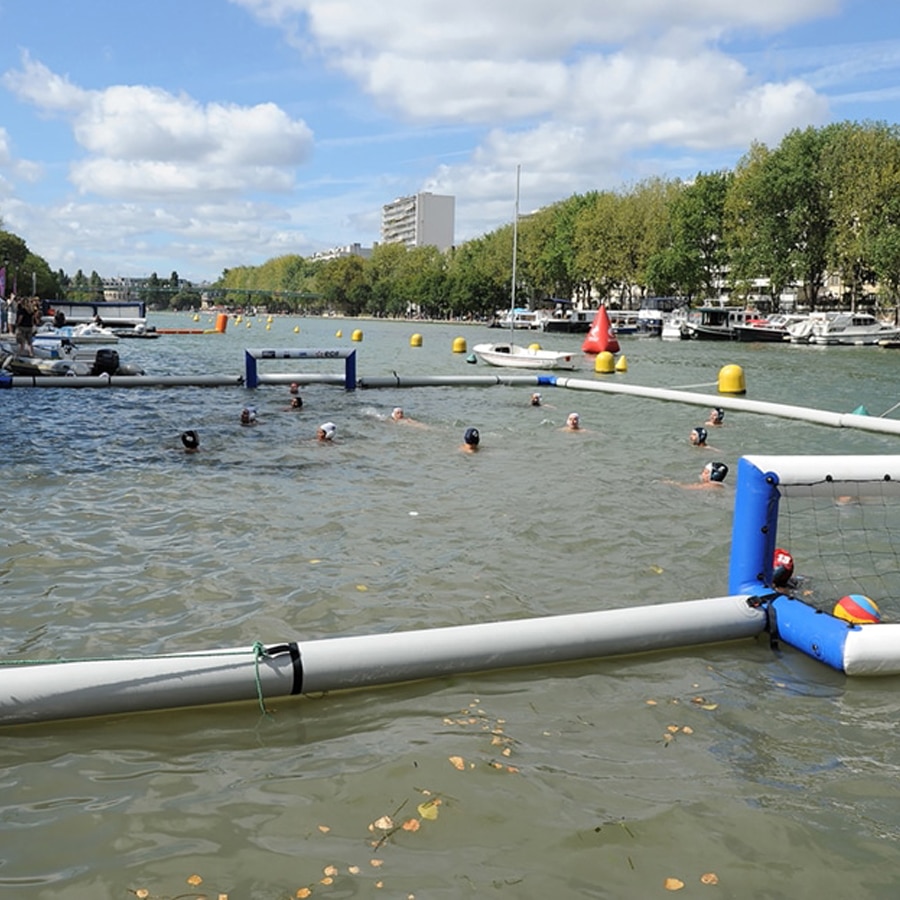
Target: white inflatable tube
(130, 381)
(819, 416)
(872, 650)
(65, 690)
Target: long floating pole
(36, 692)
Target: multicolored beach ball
(857, 609)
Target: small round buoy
(622, 364)
(238, 319)
(357, 335)
(196, 317)
(249, 324)
(270, 319)
(296, 329)
(534, 346)
(459, 345)
(268, 326)
(605, 362)
(857, 609)
(731, 380)
(339, 333)
(415, 340)
(472, 358)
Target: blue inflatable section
(815, 633)
(753, 530)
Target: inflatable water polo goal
(838, 514)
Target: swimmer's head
(782, 567)
(296, 402)
(326, 431)
(698, 435)
(190, 439)
(535, 399)
(472, 437)
(248, 415)
(715, 471)
(574, 421)
(397, 413)
(717, 415)
(294, 387)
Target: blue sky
(195, 135)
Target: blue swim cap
(471, 436)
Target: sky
(192, 136)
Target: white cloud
(144, 141)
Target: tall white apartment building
(421, 220)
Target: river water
(761, 770)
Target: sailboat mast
(512, 290)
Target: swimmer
(296, 403)
(573, 423)
(535, 399)
(698, 436)
(716, 416)
(294, 388)
(248, 416)
(471, 439)
(326, 432)
(712, 476)
(397, 415)
(191, 441)
(782, 567)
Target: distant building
(339, 252)
(421, 220)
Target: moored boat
(716, 322)
(516, 356)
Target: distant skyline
(140, 137)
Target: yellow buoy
(339, 333)
(238, 319)
(459, 345)
(731, 380)
(534, 346)
(415, 340)
(357, 335)
(249, 324)
(196, 317)
(296, 329)
(268, 326)
(605, 362)
(270, 319)
(622, 364)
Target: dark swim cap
(701, 433)
(471, 436)
(719, 415)
(717, 471)
(190, 439)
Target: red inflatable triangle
(601, 336)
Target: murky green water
(783, 781)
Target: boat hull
(510, 355)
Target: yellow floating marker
(296, 329)
(415, 340)
(196, 317)
(268, 326)
(339, 333)
(622, 364)
(605, 362)
(357, 335)
(534, 346)
(270, 319)
(459, 345)
(731, 380)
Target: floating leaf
(313, 562)
(361, 587)
(658, 570)
(376, 863)
(429, 809)
(353, 870)
(709, 878)
(672, 728)
(457, 762)
(673, 884)
(303, 893)
(651, 703)
(324, 828)
(194, 880)
(330, 870)
(327, 880)
(687, 729)
(385, 823)
(710, 706)
(142, 893)
(411, 825)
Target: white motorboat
(843, 328)
(507, 353)
(85, 333)
(526, 319)
(516, 356)
(674, 325)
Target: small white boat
(518, 357)
(85, 333)
(527, 319)
(674, 325)
(847, 328)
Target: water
(781, 778)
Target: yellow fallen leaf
(142, 893)
(429, 809)
(651, 703)
(411, 825)
(709, 878)
(376, 863)
(687, 729)
(385, 823)
(512, 770)
(330, 870)
(672, 728)
(303, 893)
(658, 570)
(313, 562)
(673, 884)
(194, 880)
(379, 884)
(353, 870)
(326, 880)
(710, 706)
(457, 762)
(361, 587)
(324, 828)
